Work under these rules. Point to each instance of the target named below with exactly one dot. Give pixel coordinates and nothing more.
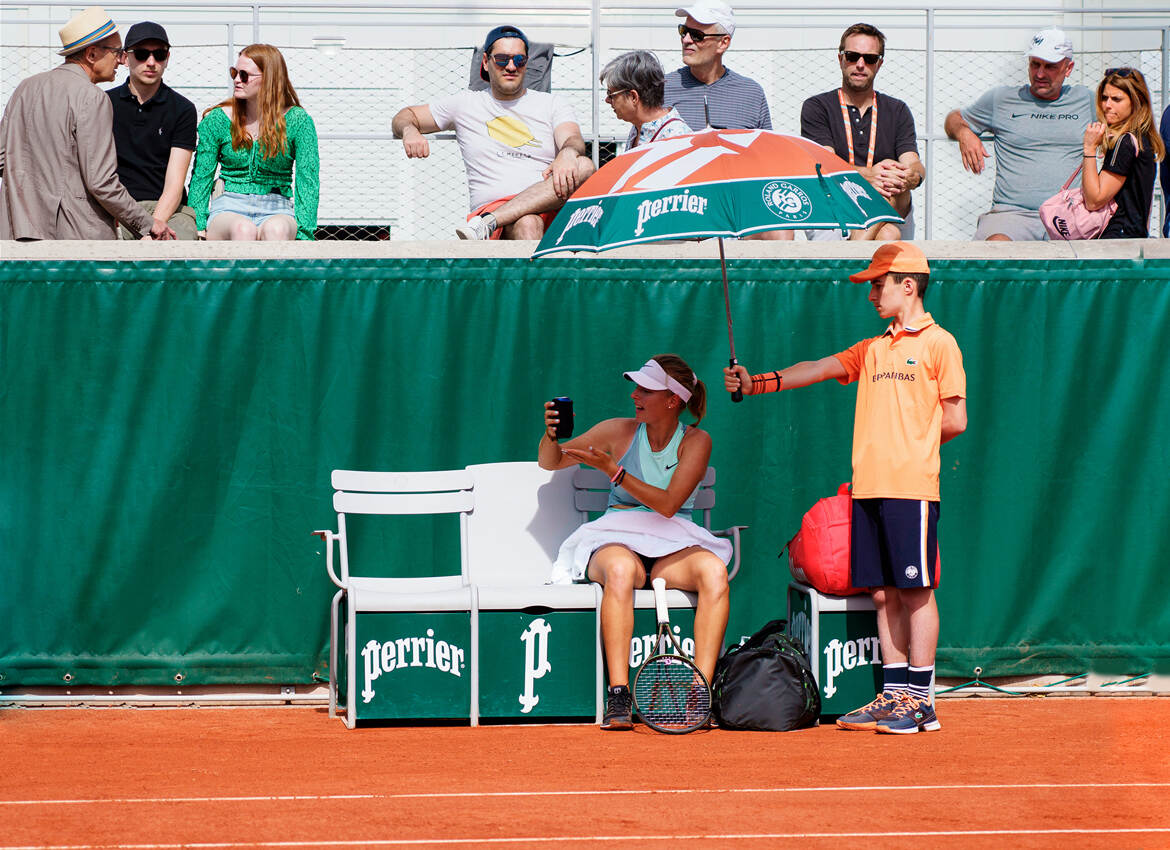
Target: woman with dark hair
(1126, 133)
(257, 138)
(655, 464)
(635, 87)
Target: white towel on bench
(646, 532)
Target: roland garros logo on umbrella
(714, 183)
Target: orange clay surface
(1036, 772)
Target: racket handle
(736, 396)
(659, 585)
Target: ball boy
(911, 397)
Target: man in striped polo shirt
(911, 397)
(705, 84)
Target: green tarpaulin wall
(168, 430)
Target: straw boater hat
(85, 28)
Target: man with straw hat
(57, 158)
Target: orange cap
(893, 257)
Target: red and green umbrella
(715, 183)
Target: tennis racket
(670, 694)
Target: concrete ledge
(112, 251)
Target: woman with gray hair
(634, 84)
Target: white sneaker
(477, 227)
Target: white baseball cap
(1050, 45)
(710, 12)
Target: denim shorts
(256, 208)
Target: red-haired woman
(1125, 131)
(257, 137)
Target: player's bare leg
(618, 570)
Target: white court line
(814, 789)
(546, 839)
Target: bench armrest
(732, 534)
(329, 537)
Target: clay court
(1023, 773)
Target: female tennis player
(655, 464)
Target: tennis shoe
(866, 718)
(619, 709)
(909, 716)
(476, 227)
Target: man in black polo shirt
(869, 130)
(154, 131)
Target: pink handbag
(1065, 217)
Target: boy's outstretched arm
(798, 375)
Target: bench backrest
(522, 514)
(398, 493)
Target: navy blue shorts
(894, 543)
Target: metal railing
(354, 64)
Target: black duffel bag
(766, 684)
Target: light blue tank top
(655, 468)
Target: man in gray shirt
(735, 101)
(1038, 131)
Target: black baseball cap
(145, 31)
(505, 31)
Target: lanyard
(849, 128)
(656, 132)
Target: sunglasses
(1120, 72)
(610, 95)
(117, 50)
(517, 59)
(160, 54)
(851, 56)
(697, 36)
(243, 75)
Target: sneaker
(476, 227)
(909, 716)
(866, 718)
(619, 707)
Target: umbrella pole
(736, 396)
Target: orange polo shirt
(897, 429)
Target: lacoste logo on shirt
(910, 361)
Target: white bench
(512, 518)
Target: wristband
(769, 382)
(618, 477)
(617, 472)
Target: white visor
(653, 377)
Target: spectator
(655, 464)
(1124, 129)
(1038, 130)
(735, 102)
(846, 121)
(1164, 131)
(258, 201)
(634, 89)
(704, 84)
(154, 132)
(522, 149)
(57, 158)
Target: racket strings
(672, 694)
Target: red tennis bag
(819, 553)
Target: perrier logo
(787, 201)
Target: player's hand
(1094, 133)
(160, 230)
(550, 421)
(972, 151)
(596, 458)
(737, 377)
(415, 144)
(563, 171)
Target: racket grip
(659, 585)
(736, 396)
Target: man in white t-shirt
(523, 149)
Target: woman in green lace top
(257, 138)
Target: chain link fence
(355, 67)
